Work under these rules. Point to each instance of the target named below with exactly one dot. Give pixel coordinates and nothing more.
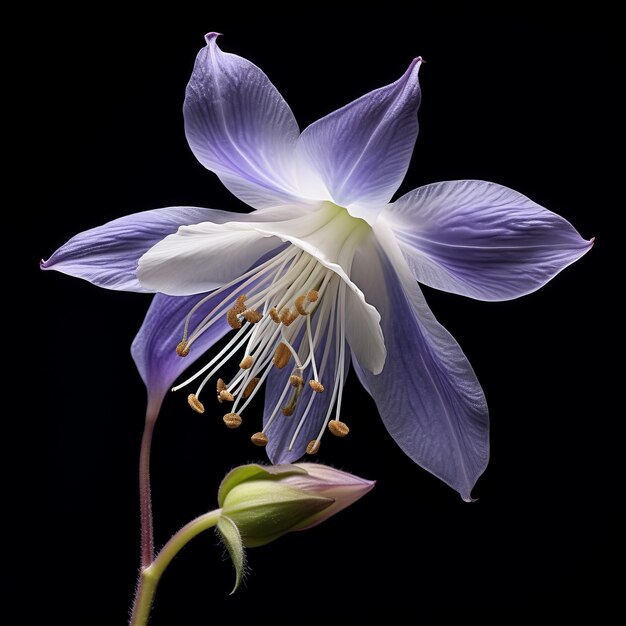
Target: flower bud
(266, 502)
(261, 503)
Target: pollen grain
(337, 428)
(249, 388)
(296, 381)
(233, 320)
(316, 385)
(259, 439)
(225, 396)
(182, 349)
(246, 362)
(252, 316)
(232, 420)
(282, 354)
(195, 404)
(313, 446)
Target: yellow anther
(252, 316)
(313, 446)
(195, 404)
(316, 385)
(296, 381)
(240, 303)
(312, 296)
(259, 439)
(233, 320)
(225, 396)
(250, 387)
(287, 316)
(288, 410)
(246, 362)
(282, 355)
(220, 385)
(273, 313)
(182, 349)
(299, 304)
(337, 428)
(232, 420)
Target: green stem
(150, 576)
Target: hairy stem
(150, 575)
(145, 497)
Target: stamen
(312, 351)
(316, 385)
(281, 355)
(232, 319)
(287, 316)
(313, 447)
(294, 354)
(252, 316)
(277, 406)
(284, 293)
(259, 439)
(267, 370)
(337, 428)
(339, 368)
(182, 349)
(225, 396)
(274, 315)
(299, 304)
(240, 303)
(250, 387)
(195, 404)
(259, 275)
(246, 362)
(232, 420)
(230, 348)
(329, 326)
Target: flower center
(289, 319)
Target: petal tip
(414, 66)
(468, 497)
(211, 37)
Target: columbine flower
(323, 272)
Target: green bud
(261, 503)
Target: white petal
(202, 257)
(331, 235)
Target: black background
(527, 100)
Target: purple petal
(239, 127)
(107, 255)
(361, 152)
(345, 489)
(482, 240)
(282, 429)
(427, 394)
